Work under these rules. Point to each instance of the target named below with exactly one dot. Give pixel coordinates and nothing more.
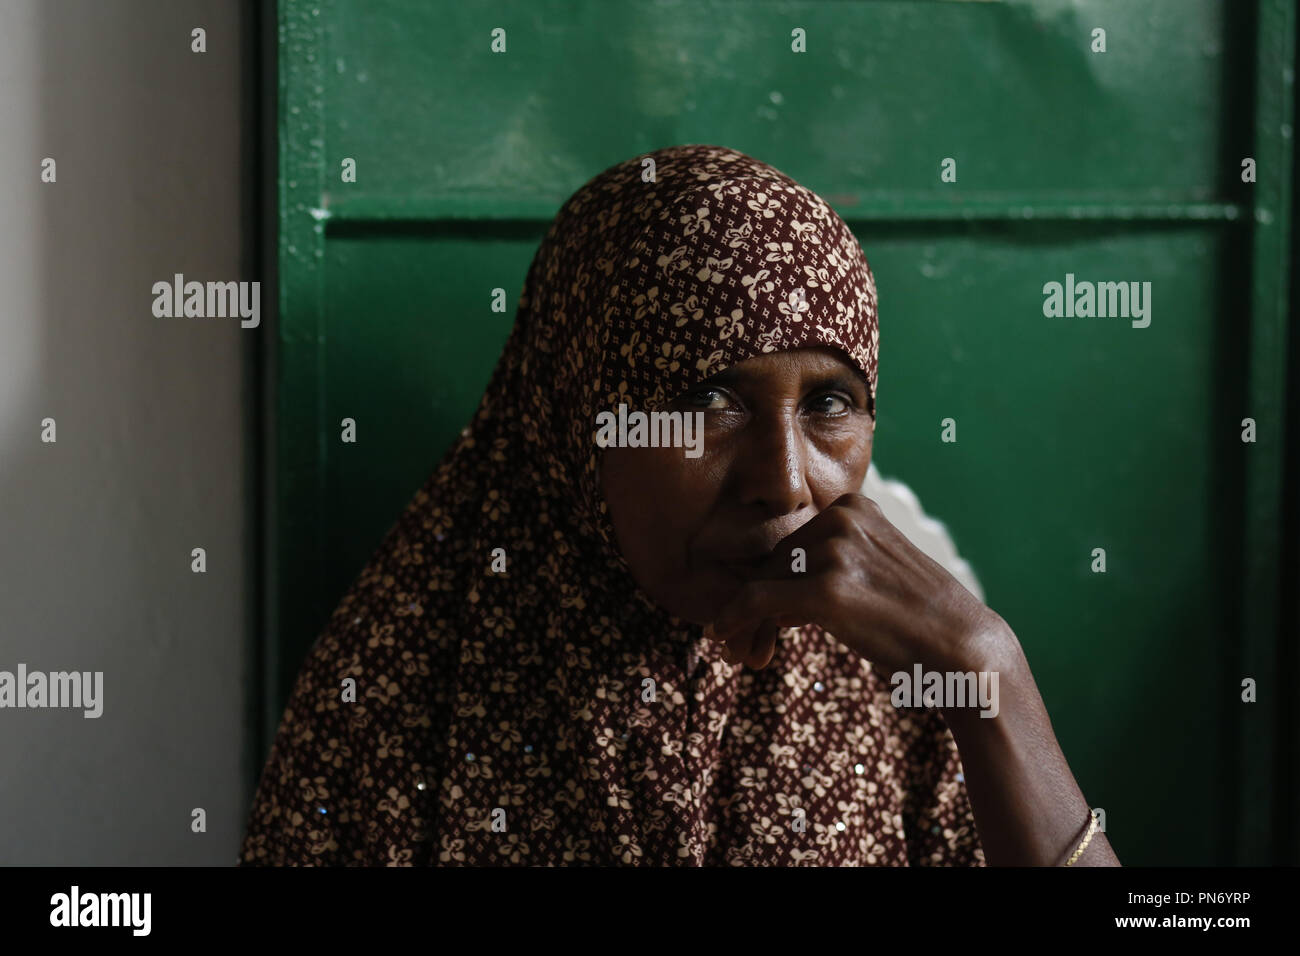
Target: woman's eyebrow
(845, 381)
(728, 376)
(836, 378)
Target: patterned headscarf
(551, 712)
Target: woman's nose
(771, 471)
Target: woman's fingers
(764, 646)
(782, 603)
(738, 647)
(751, 623)
(753, 649)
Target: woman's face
(785, 434)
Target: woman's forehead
(807, 356)
(815, 359)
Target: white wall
(96, 529)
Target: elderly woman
(580, 646)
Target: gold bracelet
(1092, 828)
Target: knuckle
(839, 518)
(836, 550)
(868, 505)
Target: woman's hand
(878, 594)
(872, 589)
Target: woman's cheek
(840, 467)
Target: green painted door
(1074, 433)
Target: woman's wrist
(995, 650)
(991, 646)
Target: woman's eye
(830, 404)
(707, 398)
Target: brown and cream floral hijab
(495, 688)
